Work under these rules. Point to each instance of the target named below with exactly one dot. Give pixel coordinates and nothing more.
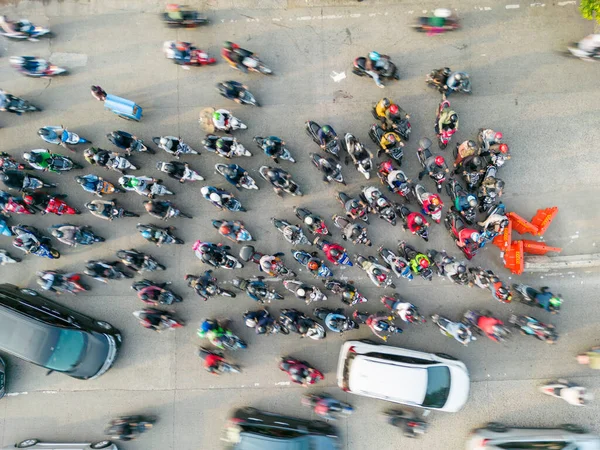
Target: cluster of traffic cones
(513, 251)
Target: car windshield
(67, 350)
(438, 387)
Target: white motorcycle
(223, 120)
(570, 392)
(361, 156)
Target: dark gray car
(2, 378)
(251, 429)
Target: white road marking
(355, 15)
(512, 6)
(337, 77)
(282, 383)
(276, 19)
(304, 18)
(487, 8)
(14, 394)
(533, 5)
(571, 2)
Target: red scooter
(49, 204)
(300, 372)
(16, 207)
(455, 224)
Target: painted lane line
(512, 6)
(533, 5)
(572, 2)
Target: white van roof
(386, 379)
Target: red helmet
(28, 199)
(387, 165)
(498, 137)
(391, 138)
(394, 109)
(440, 161)
(424, 263)
(503, 148)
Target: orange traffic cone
(521, 225)
(513, 258)
(538, 248)
(543, 218)
(503, 240)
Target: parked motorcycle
(174, 146)
(528, 325)
(361, 156)
(398, 264)
(283, 181)
(315, 224)
(332, 170)
(331, 146)
(349, 293)
(292, 233)
(457, 330)
(352, 231)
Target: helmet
(88, 152)
(300, 292)
(374, 56)
(302, 329)
(454, 117)
(27, 156)
(377, 272)
(472, 201)
(225, 229)
(91, 206)
(347, 295)
(446, 71)
(419, 220)
(424, 263)
(146, 234)
(308, 220)
(251, 323)
(471, 144)
(143, 297)
(216, 115)
(424, 143)
(354, 204)
(381, 202)
(498, 137)
(400, 177)
(497, 329)
(124, 181)
(440, 161)
(164, 140)
(228, 45)
(80, 180)
(458, 76)
(502, 292)
(435, 200)
(214, 197)
(220, 143)
(43, 132)
(334, 252)
(386, 102)
(313, 265)
(394, 109)
(271, 174)
(476, 160)
(475, 237)
(268, 142)
(461, 268)
(499, 185)
(261, 329)
(503, 148)
(57, 233)
(28, 199)
(204, 190)
(555, 301)
(229, 171)
(206, 325)
(326, 129)
(391, 138)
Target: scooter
(248, 253)
(455, 190)
(396, 152)
(292, 233)
(137, 145)
(422, 232)
(398, 264)
(289, 185)
(454, 224)
(444, 135)
(379, 204)
(58, 134)
(405, 188)
(283, 152)
(167, 297)
(359, 232)
(240, 234)
(571, 393)
(36, 67)
(303, 291)
(335, 409)
(332, 146)
(327, 314)
(247, 182)
(411, 425)
(457, 330)
(390, 71)
(528, 325)
(181, 149)
(177, 17)
(22, 29)
(361, 156)
(224, 366)
(350, 296)
(246, 96)
(332, 170)
(196, 57)
(5, 258)
(235, 148)
(423, 196)
(304, 258)
(347, 201)
(315, 224)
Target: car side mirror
(49, 372)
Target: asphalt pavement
(544, 103)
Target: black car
(251, 429)
(53, 336)
(2, 378)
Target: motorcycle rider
(91, 183)
(212, 362)
(456, 271)
(54, 135)
(95, 155)
(382, 106)
(234, 90)
(279, 178)
(175, 169)
(447, 120)
(388, 141)
(234, 174)
(272, 146)
(491, 326)
(67, 234)
(433, 166)
(98, 93)
(463, 202)
(126, 428)
(216, 196)
(153, 319)
(212, 254)
(495, 223)
(456, 80)
(458, 331)
(40, 159)
(220, 119)
(123, 140)
(313, 222)
(432, 204)
(158, 208)
(379, 324)
(488, 137)
(354, 233)
(396, 179)
(591, 358)
(103, 209)
(309, 293)
(405, 310)
(327, 405)
(336, 321)
(260, 320)
(103, 270)
(224, 147)
(329, 168)
(354, 207)
(271, 264)
(375, 65)
(52, 281)
(235, 54)
(415, 221)
(231, 229)
(155, 293)
(257, 289)
(334, 252)
(303, 374)
(141, 185)
(471, 164)
(490, 186)
(325, 135)
(14, 179)
(439, 77)
(203, 285)
(156, 236)
(547, 300)
(418, 263)
(468, 236)
(466, 148)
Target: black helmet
(334, 252)
(354, 204)
(476, 160)
(446, 71)
(386, 102)
(91, 206)
(228, 45)
(454, 117)
(461, 269)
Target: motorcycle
(248, 253)
(27, 182)
(441, 259)
(59, 134)
(238, 232)
(485, 279)
(82, 235)
(60, 283)
(7, 162)
(379, 204)
(438, 177)
(403, 310)
(102, 187)
(167, 321)
(390, 328)
(103, 270)
(144, 186)
(343, 259)
(423, 230)
(404, 189)
(457, 330)
(246, 181)
(304, 291)
(442, 20)
(30, 240)
(138, 261)
(332, 170)
(454, 191)
(223, 338)
(177, 17)
(315, 224)
(282, 151)
(396, 152)
(333, 409)
(170, 169)
(35, 67)
(119, 163)
(167, 143)
(390, 71)
(134, 426)
(245, 96)
(231, 143)
(443, 135)
(454, 224)
(54, 205)
(257, 290)
(170, 211)
(306, 259)
(571, 393)
(5, 258)
(158, 235)
(361, 156)
(291, 318)
(166, 297)
(287, 185)
(424, 197)
(528, 325)
(331, 146)
(115, 212)
(228, 124)
(328, 315)
(15, 105)
(400, 125)
(309, 374)
(473, 318)
(352, 231)
(224, 366)
(16, 206)
(378, 274)
(54, 162)
(528, 296)
(5, 229)
(350, 296)
(489, 197)
(412, 427)
(190, 56)
(250, 61)
(263, 323)
(397, 264)
(221, 199)
(352, 203)
(22, 29)
(119, 138)
(217, 255)
(292, 233)
(409, 254)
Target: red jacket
(327, 250)
(410, 222)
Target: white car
(34, 444)
(424, 380)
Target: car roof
(253, 441)
(23, 336)
(388, 379)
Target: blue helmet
(374, 56)
(206, 326)
(146, 234)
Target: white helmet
(164, 140)
(308, 220)
(214, 197)
(204, 191)
(26, 156)
(300, 292)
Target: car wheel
(446, 356)
(573, 428)
(27, 443)
(368, 341)
(106, 326)
(101, 444)
(497, 427)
